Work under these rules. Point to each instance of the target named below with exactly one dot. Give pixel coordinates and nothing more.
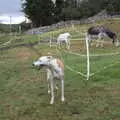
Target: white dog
(55, 70)
(64, 38)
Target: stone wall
(61, 24)
(101, 16)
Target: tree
(71, 10)
(39, 12)
(45, 12)
(59, 4)
(113, 7)
(91, 7)
(71, 3)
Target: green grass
(23, 90)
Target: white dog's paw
(62, 99)
(52, 101)
(48, 91)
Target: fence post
(88, 58)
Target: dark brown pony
(101, 32)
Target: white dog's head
(42, 61)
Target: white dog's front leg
(62, 90)
(48, 86)
(55, 85)
(52, 91)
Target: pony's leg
(98, 42)
(117, 42)
(101, 39)
(101, 42)
(58, 44)
(68, 43)
(88, 38)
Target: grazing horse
(100, 32)
(64, 38)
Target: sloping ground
(77, 31)
(23, 90)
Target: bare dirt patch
(24, 54)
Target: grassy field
(23, 90)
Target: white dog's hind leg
(52, 91)
(62, 91)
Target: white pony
(64, 38)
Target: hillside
(23, 89)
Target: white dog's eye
(49, 57)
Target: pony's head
(113, 36)
(115, 39)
